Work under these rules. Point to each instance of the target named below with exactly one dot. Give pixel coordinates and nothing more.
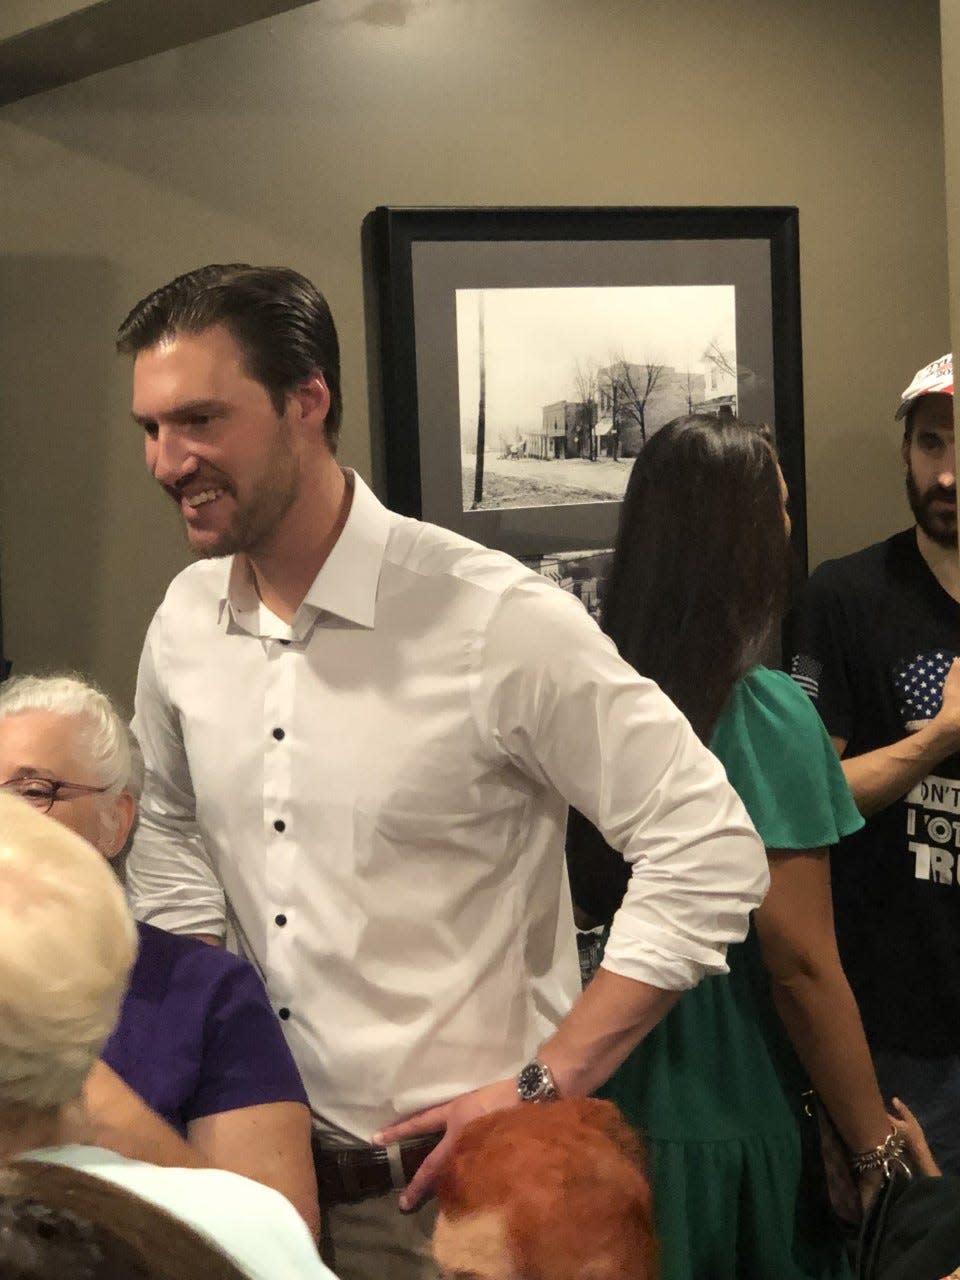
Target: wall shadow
(53, 453)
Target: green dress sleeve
(782, 764)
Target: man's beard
(939, 526)
(255, 523)
(252, 526)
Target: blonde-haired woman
(67, 944)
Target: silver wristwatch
(535, 1083)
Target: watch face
(530, 1081)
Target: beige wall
(270, 143)
(950, 39)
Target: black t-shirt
(871, 642)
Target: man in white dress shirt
(361, 735)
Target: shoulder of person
(256, 1225)
(868, 561)
(770, 700)
(494, 586)
(183, 953)
(779, 759)
(429, 550)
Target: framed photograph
(520, 358)
(582, 573)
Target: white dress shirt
(374, 797)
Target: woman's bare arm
(795, 928)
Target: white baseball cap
(935, 378)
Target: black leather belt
(346, 1175)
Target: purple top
(196, 1033)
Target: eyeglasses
(43, 793)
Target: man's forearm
(880, 777)
(609, 1019)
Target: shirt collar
(346, 585)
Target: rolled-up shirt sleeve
(567, 710)
(170, 882)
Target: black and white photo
(560, 388)
(582, 573)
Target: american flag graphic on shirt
(806, 671)
(918, 684)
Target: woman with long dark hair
(698, 586)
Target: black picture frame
(4, 662)
(415, 261)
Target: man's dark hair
(908, 424)
(280, 320)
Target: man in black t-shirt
(875, 642)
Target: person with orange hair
(555, 1191)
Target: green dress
(716, 1088)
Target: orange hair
(568, 1177)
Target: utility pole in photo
(481, 414)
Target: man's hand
(607, 1021)
(948, 717)
(449, 1116)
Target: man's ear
(313, 399)
(118, 823)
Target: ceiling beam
(109, 33)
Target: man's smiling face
(215, 441)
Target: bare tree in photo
(719, 358)
(724, 378)
(585, 379)
(481, 414)
(632, 387)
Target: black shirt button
(279, 735)
(283, 1014)
(279, 825)
(281, 919)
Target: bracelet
(890, 1151)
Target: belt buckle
(347, 1175)
(348, 1171)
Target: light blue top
(254, 1225)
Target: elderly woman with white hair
(197, 1071)
(67, 944)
